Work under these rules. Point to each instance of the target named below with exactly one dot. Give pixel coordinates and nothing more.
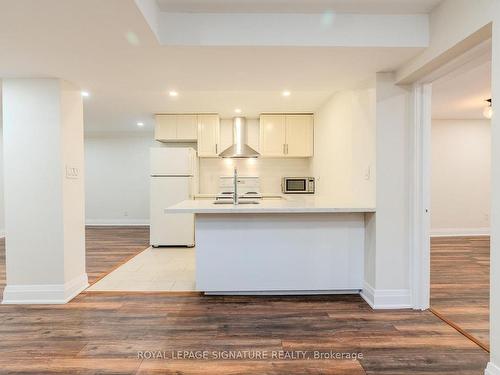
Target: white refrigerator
(173, 179)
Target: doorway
(460, 163)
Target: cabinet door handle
(287, 148)
(284, 149)
(216, 148)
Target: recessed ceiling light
(173, 93)
(85, 94)
(140, 124)
(285, 93)
(237, 110)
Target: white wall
(290, 29)
(361, 153)
(44, 211)
(387, 276)
(23, 104)
(72, 155)
(452, 25)
(117, 177)
(344, 148)
(117, 172)
(461, 177)
(2, 209)
(269, 170)
(392, 227)
(494, 364)
(455, 27)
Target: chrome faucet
(235, 193)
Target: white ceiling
(108, 49)
(299, 6)
(462, 95)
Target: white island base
(279, 253)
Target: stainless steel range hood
(239, 149)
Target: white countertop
(287, 205)
(213, 196)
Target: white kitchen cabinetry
(208, 136)
(299, 136)
(272, 135)
(286, 135)
(176, 128)
(166, 128)
(187, 127)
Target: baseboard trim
(45, 294)
(492, 369)
(368, 294)
(116, 223)
(282, 292)
(460, 232)
(386, 298)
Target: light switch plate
(368, 173)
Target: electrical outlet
(72, 172)
(125, 213)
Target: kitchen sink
(220, 201)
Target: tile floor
(160, 269)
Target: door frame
(420, 168)
(420, 175)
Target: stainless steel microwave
(297, 185)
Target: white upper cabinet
(286, 135)
(166, 128)
(187, 127)
(176, 128)
(208, 136)
(299, 136)
(276, 135)
(272, 135)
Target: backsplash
(269, 170)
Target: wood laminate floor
(109, 247)
(101, 333)
(2, 266)
(460, 282)
(106, 248)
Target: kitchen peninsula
(281, 246)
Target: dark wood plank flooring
(460, 282)
(102, 333)
(106, 248)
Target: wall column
(44, 191)
(387, 247)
